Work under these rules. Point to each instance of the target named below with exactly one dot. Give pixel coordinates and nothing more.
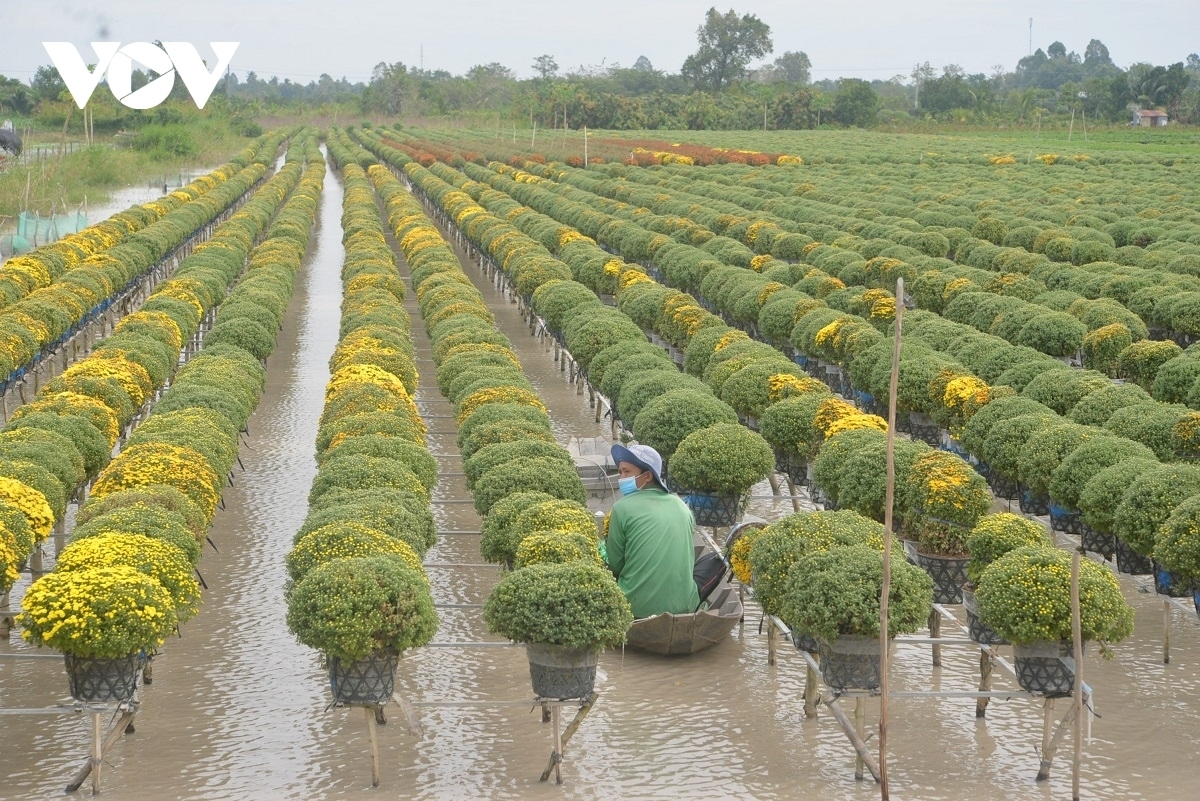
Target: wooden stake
(889, 501)
(772, 642)
(369, 713)
(852, 736)
(985, 681)
(1077, 708)
(110, 739)
(1051, 747)
(1166, 632)
(573, 727)
(97, 753)
(859, 716)
(812, 693)
(935, 631)
(556, 756)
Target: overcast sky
(300, 39)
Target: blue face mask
(628, 486)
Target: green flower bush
(1101, 495)
(790, 425)
(1095, 408)
(574, 604)
(1005, 447)
(1054, 333)
(351, 608)
(623, 370)
(556, 547)
(1152, 424)
(1085, 462)
(724, 458)
(1045, 450)
(360, 472)
(143, 519)
(498, 543)
(1062, 390)
(1149, 500)
(1177, 541)
(1102, 346)
(1175, 378)
(538, 474)
(512, 453)
(665, 421)
(778, 546)
(996, 535)
(1025, 596)
(343, 540)
(836, 592)
(398, 514)
(975, 432)
(1141, 361)
(862, 479)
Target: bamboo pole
(860, 714)
(122, 726)
(889, 501)
(97, 753)
(369, 713)
(1077, 700)
(848, 727)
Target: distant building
(1152, 118)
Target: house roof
(1151, 113)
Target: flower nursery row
(357, 589)
(127, 577)
(1042, 463)
(941, 496)
(76, 279)
(559, 599)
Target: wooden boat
(673, 635)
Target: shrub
(508, 453)
(1060, 390)
(1150, 423)
(1177, 541)
(723, 458)
(975, 432)
(556, 547)
(1046, 449)
(790, 425)
(996, 535)
(1085, 462)
(1149, 500)
(1175, 378)
(1025, 596)
(665, 421)
(539, 474)
(135, 512)
(1055, 333)
(1141, 361)
(153, 557)
(1095, 408)
(575, 604)
(1005, 446)
(342, 540)
(401, 515)
(837, 454)
(351, 608)
(943, 498)
(115, 612)
(837, 592)
(353, 471)
(778, 546)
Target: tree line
(716, 88)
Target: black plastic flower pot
(851, 662)
(1003, 487)
(1034, 504)
(558, 671)
(806, 642)
(94, 680)
(949, 574)
(1130, 561)
(1068, 521)
(1046, 668)
(979, 631)
(1097, 541)
(369, 681)
(715, 509)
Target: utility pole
(1031, 36)
(917, 83)
(422, 58)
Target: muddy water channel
(238, 708)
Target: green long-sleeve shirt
(650, 550)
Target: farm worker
(649, 546)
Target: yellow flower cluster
(728, 339)
(1000, 160)
(9, 560)
(785, 385)
(785, 160)
(759, 262)
(739, 554)
(483, 397)
(1047, 158)
(101, 612)
(160, 560)
(767, 291)
(855, 422)
(831, 411)
(631, 277)
(556, 547)
(32, 504)
(155, 463)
